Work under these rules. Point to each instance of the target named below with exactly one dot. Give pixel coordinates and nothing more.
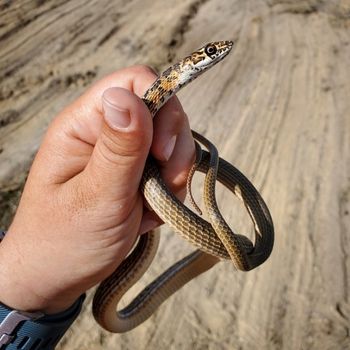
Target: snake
(213, 238)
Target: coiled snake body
(214, 239)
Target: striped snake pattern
(214, 239)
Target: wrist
(21, 290)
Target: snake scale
(214, 238)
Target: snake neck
(163, 88)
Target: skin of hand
(81, 209)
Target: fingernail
(169, 148)
(148, 225)
(115, 117)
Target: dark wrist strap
(36, 333)
(34, 330)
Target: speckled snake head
(181, 73)
(204, 58)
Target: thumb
(117, 162)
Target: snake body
(214, 239)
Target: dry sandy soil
(277, 108)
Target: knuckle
(171, 120)
(180, 181)
(125, 154)
(178, 119)
(125, 144)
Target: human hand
(81, 209)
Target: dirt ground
(277, 108)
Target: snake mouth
(228, 45)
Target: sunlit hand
(81, 210)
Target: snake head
(204, 58)
(183, 72)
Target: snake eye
(210, 50)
